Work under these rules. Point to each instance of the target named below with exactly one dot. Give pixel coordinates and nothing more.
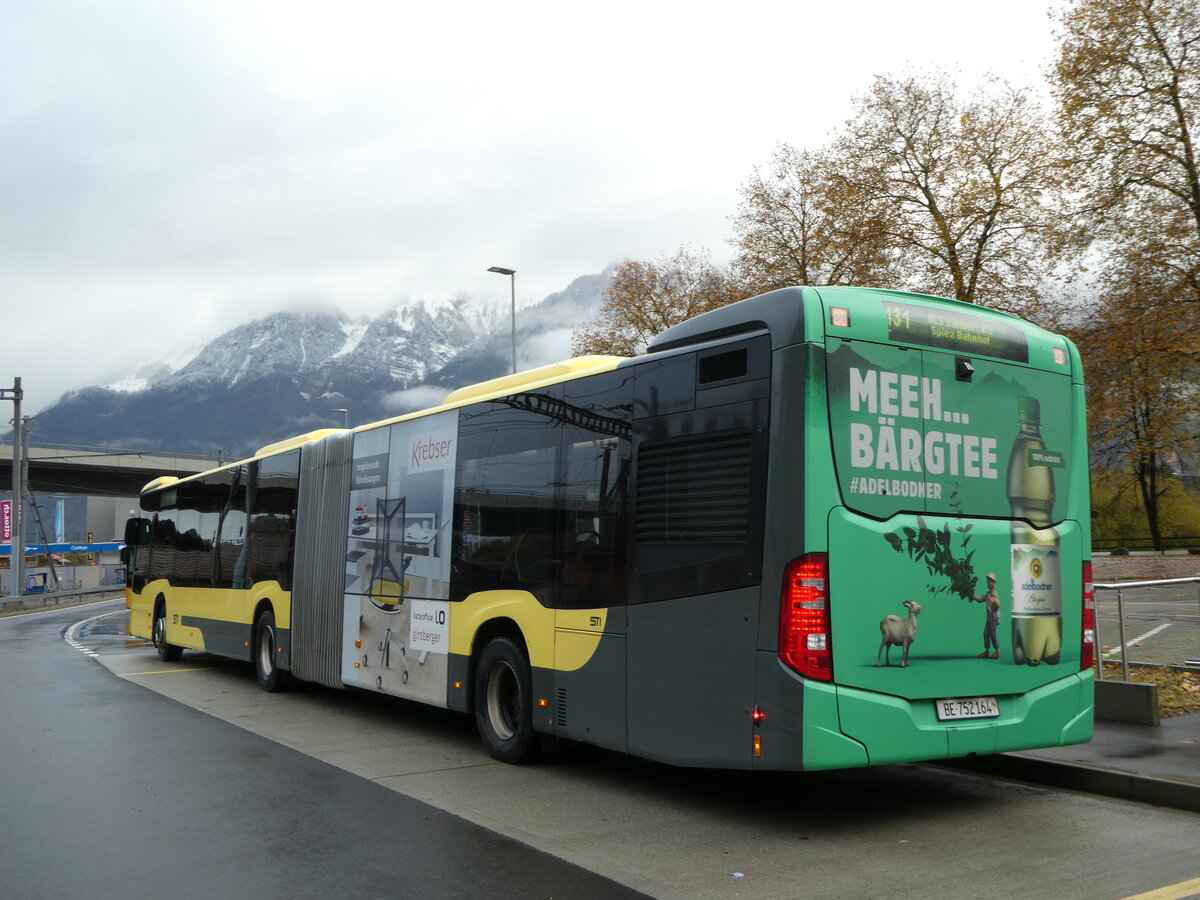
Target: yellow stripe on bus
(580, 630)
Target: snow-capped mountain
(287, 374)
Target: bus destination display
(951, 330)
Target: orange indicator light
(543, 702)
(458, 685)
(358, 665)
(1060, 356)
(358, 643)
(839, 317)
(757, 746)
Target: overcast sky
(170, 169)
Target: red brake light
(804, 643)
(1087, 649)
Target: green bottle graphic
(1036, 558)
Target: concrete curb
(1091, 779)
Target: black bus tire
(504, 703)
(271, 678)
(166, 652)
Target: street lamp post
(512, 274)
(345, 416)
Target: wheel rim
(160, 631)
(266, 646)
(503, 700)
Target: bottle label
(1036, 580)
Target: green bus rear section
(687, 668)
(873, 713)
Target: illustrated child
(991, 646)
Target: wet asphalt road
(136, 778)
(112, 791)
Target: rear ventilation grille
(561, 712)
(694, 490)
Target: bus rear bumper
(893, 729)
(812, 725)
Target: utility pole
(18, 482)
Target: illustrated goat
(898, 632)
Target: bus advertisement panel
(398, 558)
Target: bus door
(591, 558)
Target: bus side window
(541, 502)
(504, 515)
(595, 490)
(272, 490)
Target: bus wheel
(166, 652)
(504, 703)
(266, 664)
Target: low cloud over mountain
(286, 374)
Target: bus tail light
(804, 637)
(1087, 650)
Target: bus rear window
(926, 431)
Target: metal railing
(1120, 587)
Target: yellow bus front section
(207, 619)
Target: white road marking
(71, 635)
(1137, 640)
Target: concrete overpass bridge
(115, 473)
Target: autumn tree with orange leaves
(966, 183)
(799, 224)
(1127, 80)
(645, 298)
(927, 188)
(1143, 380)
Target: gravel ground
(1144, 567)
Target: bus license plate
(956, 708)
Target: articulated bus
(819, 528)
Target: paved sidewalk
(1146, 763)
